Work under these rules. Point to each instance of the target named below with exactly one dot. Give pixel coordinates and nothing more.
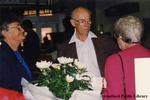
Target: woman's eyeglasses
(18, 27)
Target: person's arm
(5, 77)
(10, 94)
(114, 78)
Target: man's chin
(86, 30)
(21, 40)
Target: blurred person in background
(31, 46)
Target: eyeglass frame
(18, 26)
(81, 21)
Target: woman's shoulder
(4, 49)
(113, 62)
(113, 56)
(113, 59)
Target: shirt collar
(75, 39)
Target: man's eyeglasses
(19, 27)
(82, 21)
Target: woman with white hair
(119, 68)
(12, 64)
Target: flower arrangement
(64, 77)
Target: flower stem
(67, 92)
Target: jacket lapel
(98, 54)
(72, 50)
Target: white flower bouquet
(63, 78)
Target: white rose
(69, 79)
(70, 65)
(43, 64)
(56, 66)
(79, 65)
(65, 60)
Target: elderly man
(12, 65)
(91, 50)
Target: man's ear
(4, 33)
(119, 36)
(72, 22)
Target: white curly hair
(130, 28)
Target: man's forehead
(83, 11)
(80, 10)
(14, 23)
(83, 16)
